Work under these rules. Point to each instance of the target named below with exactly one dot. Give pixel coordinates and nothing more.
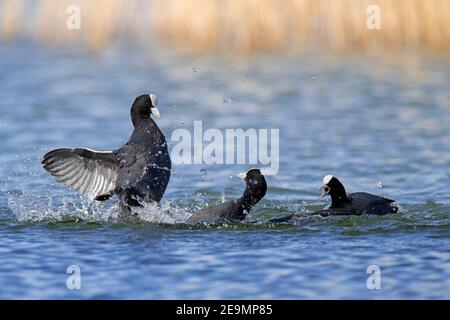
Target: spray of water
(29, 207)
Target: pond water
(381, 124)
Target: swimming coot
(344, 204)
(353, 203)
(138, 171)
(235, 210)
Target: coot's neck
(338, 196)
(139, 114)
(140, 119)
(250, 199)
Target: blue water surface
(381, 124)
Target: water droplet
(228, 100)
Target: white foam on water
(31, 207)
(161, 213)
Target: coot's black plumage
(138, 171)
(353, 203)
(235, 210)
(357, 203)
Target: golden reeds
(100, 21)
(10, 19)
(237, 26)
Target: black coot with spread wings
(138, 171)
(235, 210)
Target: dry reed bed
(239, 26)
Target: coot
(137, 172)
(235, 210)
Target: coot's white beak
(242, 175)
(325, 190)
(155, 112)
(154, 108)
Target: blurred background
(370, 105)
(235, 27)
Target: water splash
(165, 213)
(29, 206)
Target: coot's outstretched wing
(92, 173)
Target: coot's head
(256, 185)
(333, 187)
(143, 106)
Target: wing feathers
(90, 172)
